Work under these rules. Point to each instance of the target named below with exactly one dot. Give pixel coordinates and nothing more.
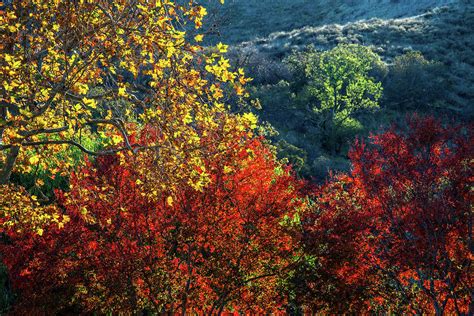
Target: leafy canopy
(341, 81)
(98, 72)
(395, 234)
(126, 249)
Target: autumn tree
(127, 248)
(398, 230)
(330, 278)
(420, 185)
(86, 75)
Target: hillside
(243, 20)
(441, 29)
(442, 34)
(264, 33)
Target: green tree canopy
(337, 85)
(342, 82)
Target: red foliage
(332, 278)
(396, 235)
(126, 250)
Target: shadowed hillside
(265, 33)
(243, 20)
(443, 34)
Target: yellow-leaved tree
(102, 77)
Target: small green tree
(342, 82)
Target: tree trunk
(7, 169)
(185, 298)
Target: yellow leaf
(84, 211)
(39, 231)
(169, 200)
(90, 102)
(239, 90)
(250, 119)
(198, 38)
(122, 92)
(83, 88)
(222, 47)
(34, 159)
(116, 139)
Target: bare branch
(43, 131)
(133, 147)
(118, 124)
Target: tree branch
(133, 147)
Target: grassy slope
(276, 27)
(443, 34)
(244, 20)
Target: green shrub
(413, 82)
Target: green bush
(413, 82)
(296, 156)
